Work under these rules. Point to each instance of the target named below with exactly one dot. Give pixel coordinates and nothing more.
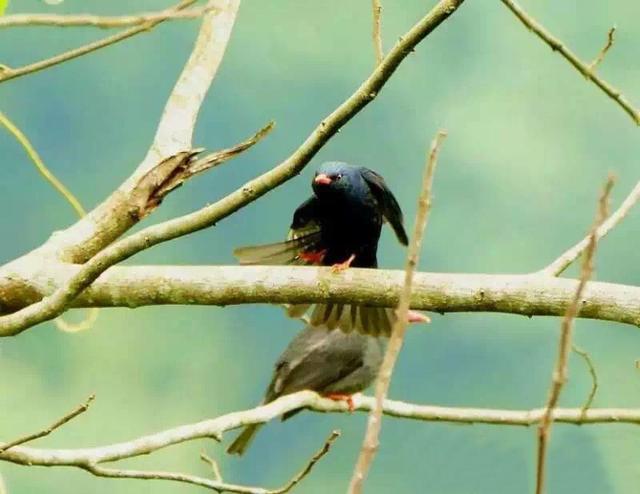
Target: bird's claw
(342, 266)
(342, 397)
(417, 317)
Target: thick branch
(135, 286)
(174, 134)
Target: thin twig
(594, 377)
(376, 8)
(209, 215)
(206, 285)
(309, 466)
(567, 258)
(557, 45)
(8, 73)
(99, 21)
(603, 52)
(24, 141)
(174, 134)
(215, 468)
(374, 424)
(80, 409)
(39, 164)
(560, 371)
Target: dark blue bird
(338, 226)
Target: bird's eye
(338, 176)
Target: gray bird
(332, 363)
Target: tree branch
(8, 73)
(104, 22)
(556, 45)
(374, 424)
(376, 34)
(566, 259)
(54, 305)
(56, 425)
(136, 286)
(111, 219)
(561, 368)
(213, 428)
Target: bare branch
(215, 468)
(148, 237)
(567, 258)
(174, 135)
(603, 52)
(56, 425)
(39, 164)
(594, 377)
(561, 369)
(376, 8)
(374, 424)
(99, 21)
(213, 428)
(8, 73)
(309, 466)
(137, 286)
(557, 45)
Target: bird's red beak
(322, 179)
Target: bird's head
(335, 178)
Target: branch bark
(213, 428)
(136, 286)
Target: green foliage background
(530, 145)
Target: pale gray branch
(213, 428)
(174, 133)
(567, 258)
(135, 286)
(77, 20)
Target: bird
(332, 363)
(339, 226)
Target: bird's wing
(287, 252)
(301, 247)
(388, 203)
(316, 359)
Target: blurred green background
(530, 145)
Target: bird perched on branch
(332, 363)
(339, 226)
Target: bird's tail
(244, 439)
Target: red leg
(418, 317)
(313, 257)
(341, 266)
(342, 397)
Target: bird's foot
(313, 257)
(342, 397)
(417, 317)
(341, 266)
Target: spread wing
(303, 238)
(388, 203)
